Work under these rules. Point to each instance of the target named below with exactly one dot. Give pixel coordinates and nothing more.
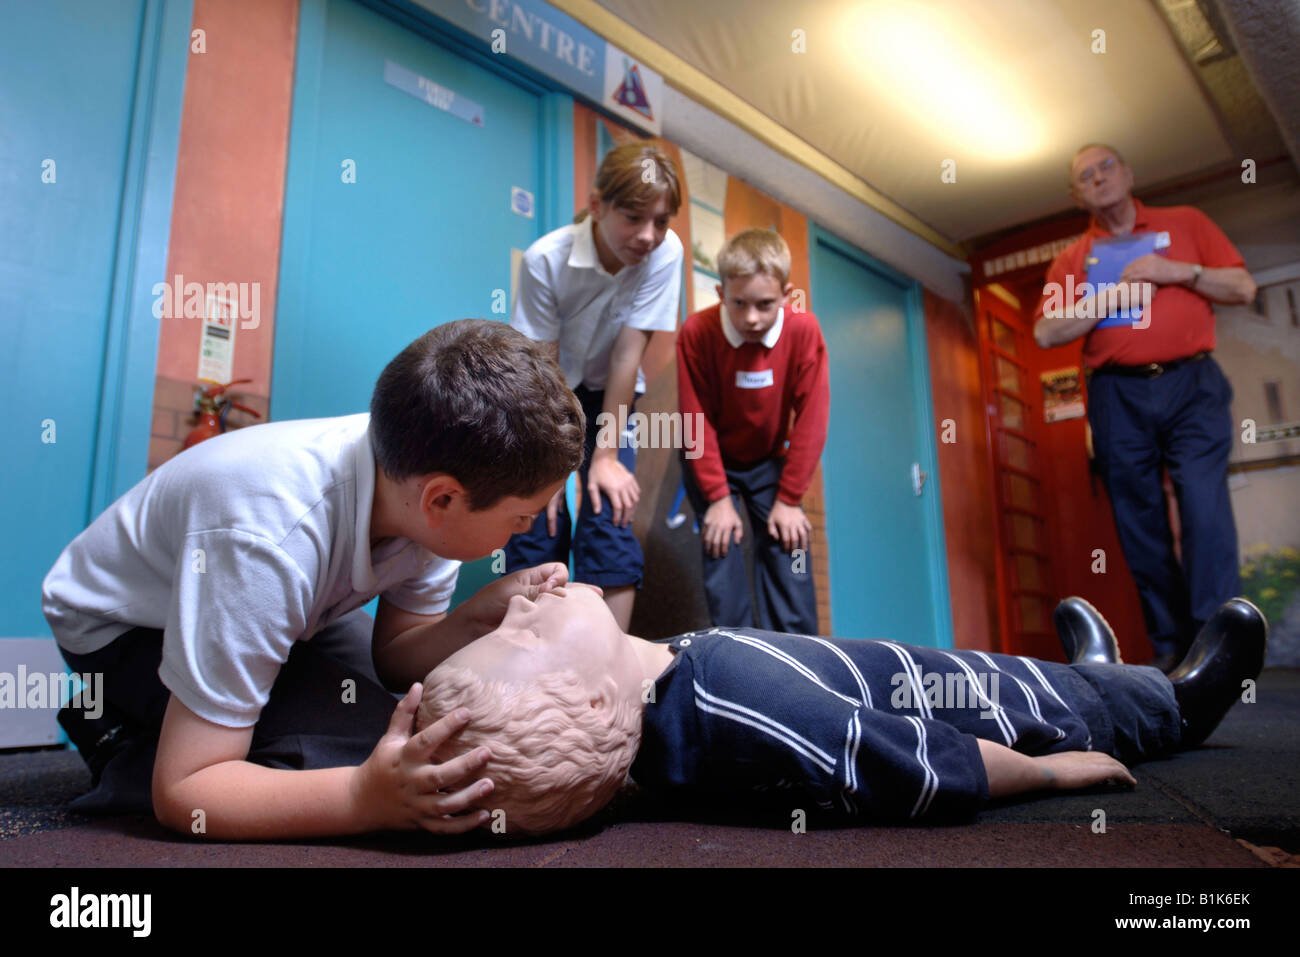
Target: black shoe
(1228, 651)
(1084, 633)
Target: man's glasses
(1105, 166)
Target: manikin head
(555, 694)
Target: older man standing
(1155, 396)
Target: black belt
(1150, 370)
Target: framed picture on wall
(1062, 395)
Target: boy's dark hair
(481, 402)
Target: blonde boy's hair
(754, 251)
(556, 758)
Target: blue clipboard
(1106, 261)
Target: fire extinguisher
(212, 406)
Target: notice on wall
(432, 93)
(1062, 395)
(217, 345)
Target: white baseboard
(22, 726)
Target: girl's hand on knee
(609, 476)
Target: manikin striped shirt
(870, 729)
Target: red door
(1024, 550)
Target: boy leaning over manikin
(211, 595)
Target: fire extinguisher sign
(217, 347)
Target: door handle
(918, 478)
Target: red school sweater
(755, 399)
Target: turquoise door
(424, 233)
(90, 97)
(423, 236)
(887, 568)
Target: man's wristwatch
(1197, 269)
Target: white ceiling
(1007, 89)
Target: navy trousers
(312, 720)
(603, 553)
(787, 598)
(1181, 420)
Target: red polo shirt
(1182, 320)
(748, 394)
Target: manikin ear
(438, 494)
(604, 694)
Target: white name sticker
(754, 380)
(1162, 240)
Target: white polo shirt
(736, 340)
(565, 295)
(238, 548)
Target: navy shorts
(603, 554)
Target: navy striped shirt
(860, 728)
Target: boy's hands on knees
(789, 525)
(400, 788)
(610, 476)
(1072, 770)
(722, 527)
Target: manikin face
(753, 303)
(569, 629)
(628, 234)
(1099, 179)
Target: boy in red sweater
(757, 373)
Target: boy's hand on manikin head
(722, 528)
(608, 475)
(399, 787)
(789, 525)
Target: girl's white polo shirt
(565, 295)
